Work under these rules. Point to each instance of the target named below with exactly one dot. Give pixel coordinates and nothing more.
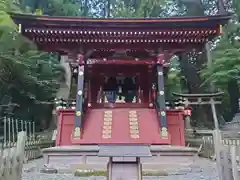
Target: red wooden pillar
(94, 88)
(144, 87)
(138, 85)
(150, 92)
(101, 86)
(89, 87)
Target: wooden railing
(34, 142)
(32, 148)
(71, 103)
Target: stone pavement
(203, 170)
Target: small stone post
(19, 155)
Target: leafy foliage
(226, 64)
(30, 77)
(142, 8)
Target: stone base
(71, 158)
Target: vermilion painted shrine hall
(132, 54)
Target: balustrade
(62, 104)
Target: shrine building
(120, 67)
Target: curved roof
(129, 22)
(167, 33)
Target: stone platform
(86, 157)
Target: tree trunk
(108, 8)
(85, 9)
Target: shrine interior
(133, 71)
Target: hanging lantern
(188, 111)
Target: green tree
(225, 69)
(138, 9)
(30, 77)
(53, 7)
(224, 72)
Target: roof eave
(17, 16)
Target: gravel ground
(202, 170)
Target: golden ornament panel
(106, 136)
(133, 123)
(164, 132)
(108, 115)
(132, 115)
(134, 131)
(133, 119)
(107, 123)
(107, 112)
(107, 127)
(133, 127)
(107, 119)
(106, 131)
(132, 112)
(77, 132)
(134, 136)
